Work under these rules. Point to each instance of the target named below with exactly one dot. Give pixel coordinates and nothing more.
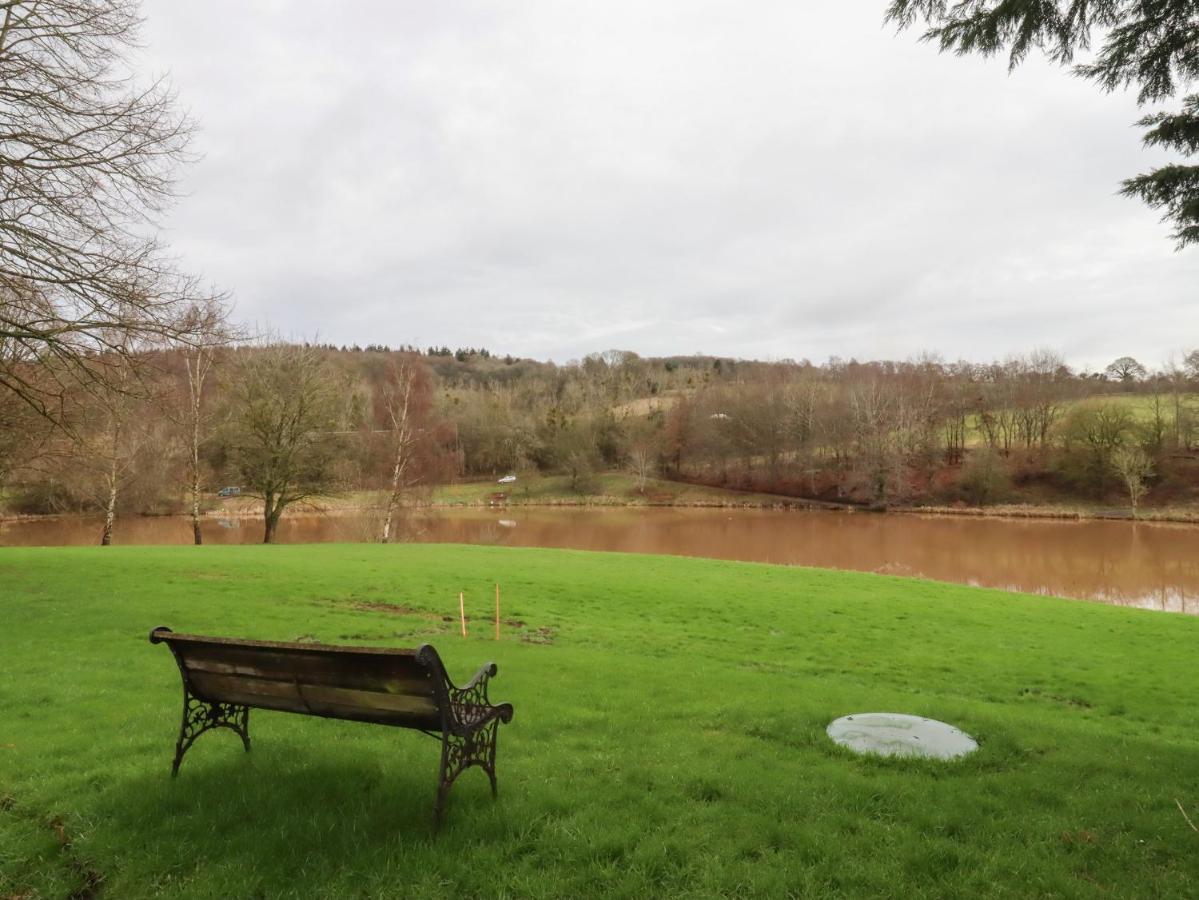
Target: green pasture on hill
(668, 739)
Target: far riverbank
(620, 490)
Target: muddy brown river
(1151, 565)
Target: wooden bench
(224, 678)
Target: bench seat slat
(334, 711)
(392, 674)
(380, 682)
(368, 706)
(302, 696)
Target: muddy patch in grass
(542, 635)
(399, 609)
(1035, 694)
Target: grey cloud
(549, 179)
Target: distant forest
(290, 422)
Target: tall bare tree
(644, 449)
(107, 433)
(1135, 467)
(405, 397)
(873, 404)
(1125, 370)
(287, 400)
(208, 321)
(87, 161)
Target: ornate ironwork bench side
(224, 678)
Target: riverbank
(620, 489)
(610, 489)
(1181, 515)
(617, 489)
(607, 489)
(668, 737)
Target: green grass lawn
(668, 737)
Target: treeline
(875, 432)
(888, 433)
(287, 423)
(160, 432)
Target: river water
(1151, 565)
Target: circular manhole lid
(894, 734)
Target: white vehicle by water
(507, 479)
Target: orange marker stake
(462, 612)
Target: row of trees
(287, 423)
(284, 422)
(874, 432)
(885, 434)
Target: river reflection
(1150, 565)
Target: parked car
(507, 479)
(229, 492)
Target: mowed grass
(668, 737)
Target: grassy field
(1139, 406)
(668, 737)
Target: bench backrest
(366, 684)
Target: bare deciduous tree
(1191, 364)
(1126, 370)
(286, 403)
(107, 436)
(207, 320)
(23, 433)
(86, 162)
(1134, 467)
(644, 441)
(873, 406)
(400, 399)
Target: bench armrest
(478, 684)
(470, 707)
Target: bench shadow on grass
(294, 805)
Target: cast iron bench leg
(200, 716)
(458, 754)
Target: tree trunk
(272, 510)
(196, 480)
(110, 512)
(397, 488)
(110, 505)
(1178, 420)
(399, 396)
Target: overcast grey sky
(768, 179)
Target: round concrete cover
(894, 734)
